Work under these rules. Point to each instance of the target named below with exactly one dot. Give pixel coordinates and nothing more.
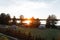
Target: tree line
(5, 19)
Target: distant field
(43, 33)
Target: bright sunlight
(27, 21)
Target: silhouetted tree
(21, 19)
(35, 22)
(48, 22)
(32, 19)
(8, 18)
(32, 24)
(38, 22)
(14, 21)
(51, 21)
(2, 18)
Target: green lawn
(47, 34)
(3, 37)
(43, 33)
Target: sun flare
(28, 21)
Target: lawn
(48, 34)
(3, 37)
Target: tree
(2, 18)
(38, 22)
(21, 19)
(8, 18)
(51, 21)
(35, 22)
(14, 21)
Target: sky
(29, 8)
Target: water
(44, 22)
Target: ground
(45, 33)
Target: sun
(27, 21)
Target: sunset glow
(37, 8)
(27, 21)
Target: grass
(3, 37)
(47, 34)
(43, 33)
